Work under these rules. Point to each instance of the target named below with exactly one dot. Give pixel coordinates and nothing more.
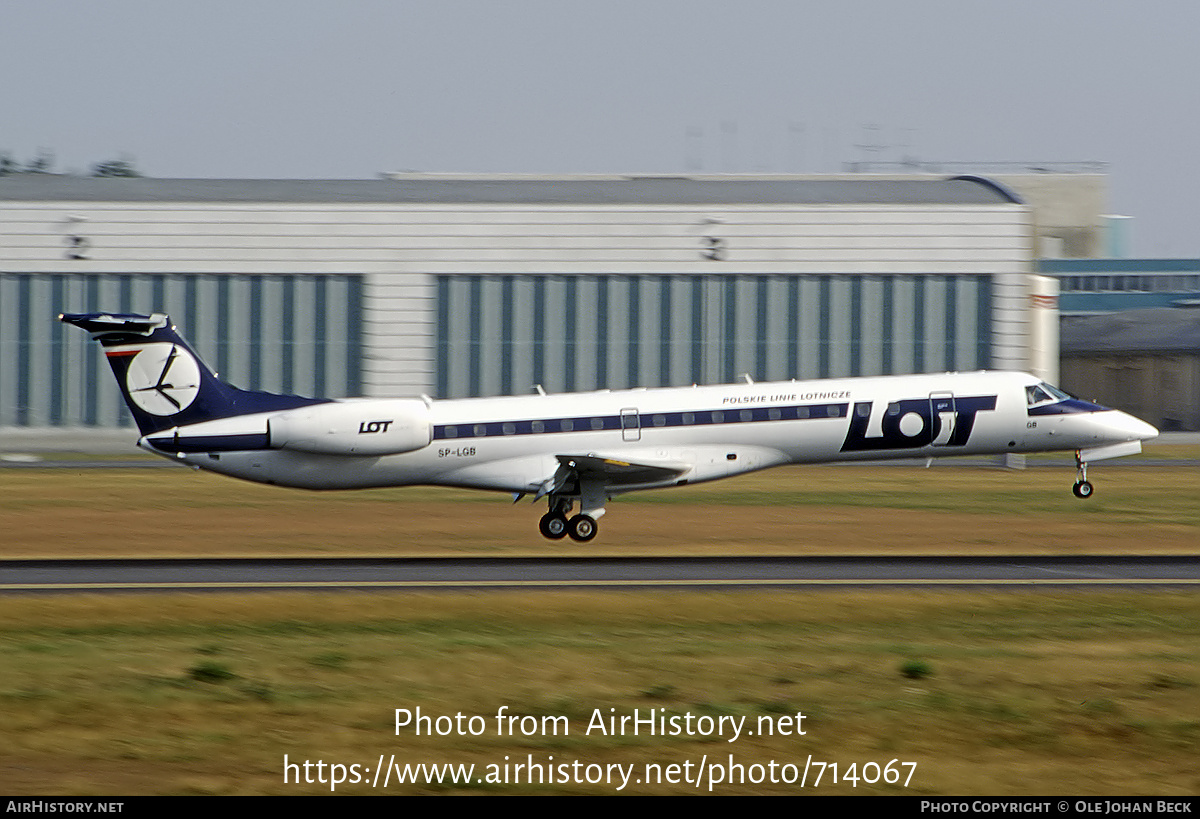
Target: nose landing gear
(1082, 488)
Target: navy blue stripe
(760, 336)
(354, 335)
(506, 335)
(633, 362)
(288, 362)
(571, 333)
(222, 324)
(887, 341)
(158, 295)
(321, 347)
(856, 324)
(442, 337)
(91, 395)
(825, 308)
(474, 335)
(951, 322)
(254, 353)
(729, 342)
(191, 309)
(58, 295)
(919, 324)
(664, 331)
(24, 347)
(602, 330)
(698, 329)
(125, 300)
(539, 331)
(793, 326)
(983, 322)
(651, 420)
(125, 293)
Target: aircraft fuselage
(512, 443)
(585, 447)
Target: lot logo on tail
(162, 378)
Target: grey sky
(303, 88)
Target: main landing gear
(1082, 488)
(556, 525)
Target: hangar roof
(519, 190)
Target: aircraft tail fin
(164, 382)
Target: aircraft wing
(609, 473)
(616, 472)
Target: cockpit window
(1035, 394)
(1043, 393)
(1061, 395)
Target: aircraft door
(631, 424)
(942, 417)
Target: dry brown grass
(1027, 693)
(796, 510)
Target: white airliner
(584, 448)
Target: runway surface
(236, 574)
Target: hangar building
(482, 285)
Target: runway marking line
(384, 584)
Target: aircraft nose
(1136, 427)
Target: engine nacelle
(368, 427)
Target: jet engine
(368, 427)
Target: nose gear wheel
(1082, 488)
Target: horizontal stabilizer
(99, 324)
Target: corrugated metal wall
(465, 297)
(502, 334)
(292, 334)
